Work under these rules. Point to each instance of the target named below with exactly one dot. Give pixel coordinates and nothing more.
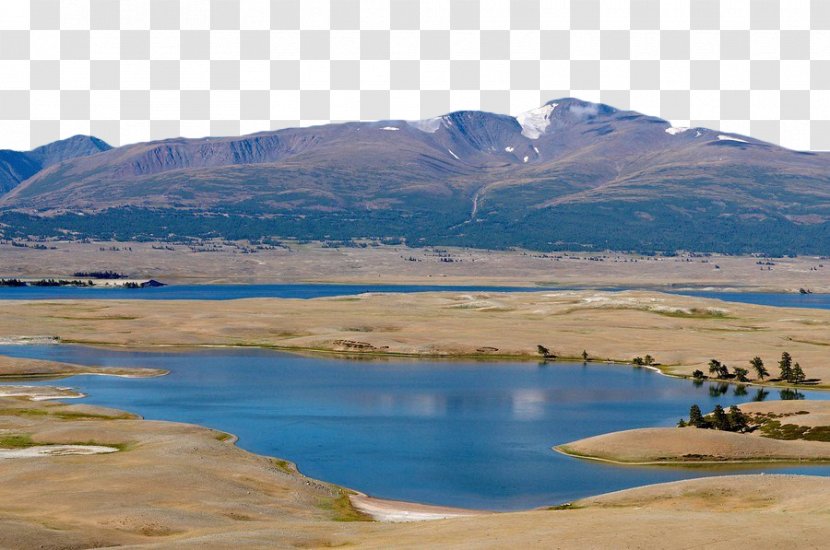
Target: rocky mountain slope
(570, 174)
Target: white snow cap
(730, 138)
(390, 128)
(535, 122)
(429, 125)
(509, 149)
(677, 130)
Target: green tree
(797, 376)
(696, 417)
(698, 374)
(719, 369)
(740, 374)
(584, 355)
(758, 364)
(738, 421)
(786, 366)
(543, 351)
(638, 361)
(648, 360)
(681, 423)
(719, 419)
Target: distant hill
(17, 166)
(568, 175)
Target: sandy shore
(396, 511)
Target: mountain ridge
(468, 177)
(18, 166)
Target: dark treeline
(99, 274)
(542, 230)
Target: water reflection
(760, 394)
(719, 389)
(790, 394)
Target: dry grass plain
(682, 333)
(691, 445)
(654, 446)
(215, 262)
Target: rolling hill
(568, 175)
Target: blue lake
(454, 433)
(313, 290)
(231, 292)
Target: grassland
(14, 367)
(241, 263)
(782, 431)
(681, 333)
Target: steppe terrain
(682, 333)
(654, 446)
(214, 262)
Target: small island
(780, 431)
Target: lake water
(305, 291)
(231, 292)
(453, 433)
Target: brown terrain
(681, 333)
(692, 445)
(242, 263)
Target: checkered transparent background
(134, 70)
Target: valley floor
(241, 263)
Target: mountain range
(568, 175)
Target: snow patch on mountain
(675, 130)
(390, 128)
(535, 122)
(430, 125)
(730, 138)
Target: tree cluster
(790, 372)
(647, 361)
(732, 421)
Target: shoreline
(438, 357)
(562, 449)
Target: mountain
(17, 166)
(568, 175)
